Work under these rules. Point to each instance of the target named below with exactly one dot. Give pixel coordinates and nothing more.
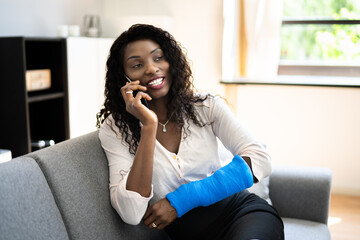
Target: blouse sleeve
(130, 205)
(237, 139)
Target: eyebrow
(139, 56)
(154, 50)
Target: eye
(159, 58)
(136, 66)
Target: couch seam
(37, 160)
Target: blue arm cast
(228, 180)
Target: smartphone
(143, 100)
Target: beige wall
(198, 26)
(309, 126)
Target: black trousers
(241, 216)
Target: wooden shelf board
(43, 97)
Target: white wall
(42, 17)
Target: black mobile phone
(143, 100)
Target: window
(320, 37)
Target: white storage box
(5, 155)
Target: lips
(156, 83)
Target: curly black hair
(181, 97)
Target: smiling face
(144, 60)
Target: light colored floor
(344, 218)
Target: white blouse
(196, 159)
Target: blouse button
(174, 157)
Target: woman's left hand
(160, 214)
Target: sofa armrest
(301, 192)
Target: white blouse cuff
(130, 205)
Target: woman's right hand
(134, 105)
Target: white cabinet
(86, 79)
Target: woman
(158, 135)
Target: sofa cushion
(27, 206)
(77, 172)
(305, 230)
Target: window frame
(318, 70)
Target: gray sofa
(61, 192)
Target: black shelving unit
(36, 115)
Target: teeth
(156, 82)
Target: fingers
(149, 217)
(158, 226)
(159, 215)
(152, 222)
(156, 222)
(128, 89)
(128, 92)
(141, 95)
(162, 226)
(147, 214)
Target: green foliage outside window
(325, 43)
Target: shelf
(43, 97)
(36, 115)
(46, 121)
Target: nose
(152, 68)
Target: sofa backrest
(301, 192)
(77, 173)
(27, 206)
